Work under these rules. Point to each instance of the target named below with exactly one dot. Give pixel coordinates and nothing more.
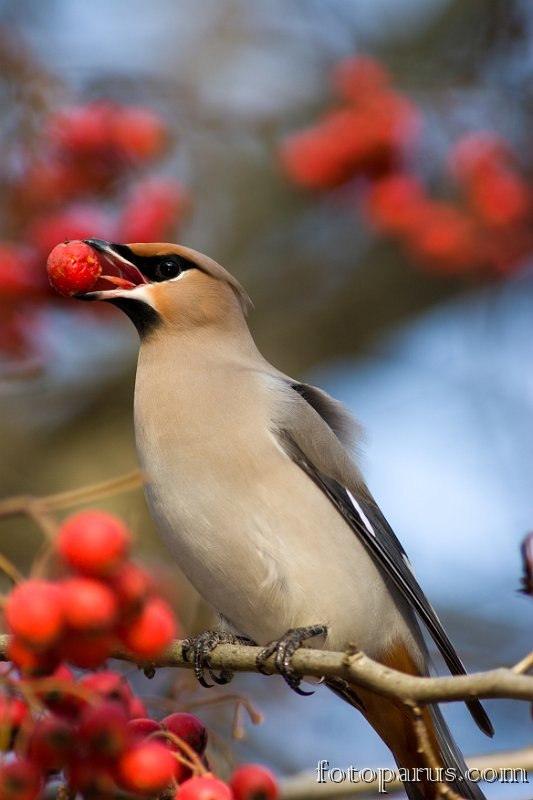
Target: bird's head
(160, 284)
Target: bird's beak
(118, 276)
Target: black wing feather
(384, 546)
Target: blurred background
(364, 168)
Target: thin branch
(358, 669)
(44, 520)
(525, 665)
(426, 749)
(10, 570)
(17, 506)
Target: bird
(252, 483)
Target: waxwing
(251, 483)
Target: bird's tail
(422, 765)
(420, 741)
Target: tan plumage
(253, 488)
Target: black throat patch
(144, 317)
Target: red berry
(445, 240)
(34, 611)
(20, 780)
(139, 132)
(205, 787)
(60, 699)
(110, 685)
(93, 542)
(187, 727)
(394, 123)
(103, 729)
(356, 77)
(84, 130)
(29, 661)
(325, 155)
(51, 743)
(89, 605)
(13, 713)
(146, 768)
(137, 708)
(500, 197)
(73, 268)
(254, 782)
(394, 203)
(152, 631)
(131, 586)
(94, 782)
(87, 649)
(142, 727)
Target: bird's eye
(168, 269)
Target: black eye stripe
(152, 267)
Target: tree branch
(358, 669)
(23, 504)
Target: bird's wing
(341, 422)
(305, 430)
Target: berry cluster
(87, 153)
(367, 135)
(104, 599)
(95, 737)
(92, 733)
(367, 144)
(84, 176)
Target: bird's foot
(284, 650)
(198, 649)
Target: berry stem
(192, 762)
(7, 567)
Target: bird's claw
(200, 648)
(283, 650)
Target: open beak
(118, 275)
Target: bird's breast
(250, 530)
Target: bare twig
(23, 505)
(525, 665)
(43, 518)
(10, 570)
(425, 748)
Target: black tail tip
(481, 718)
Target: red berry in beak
(73, 268)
